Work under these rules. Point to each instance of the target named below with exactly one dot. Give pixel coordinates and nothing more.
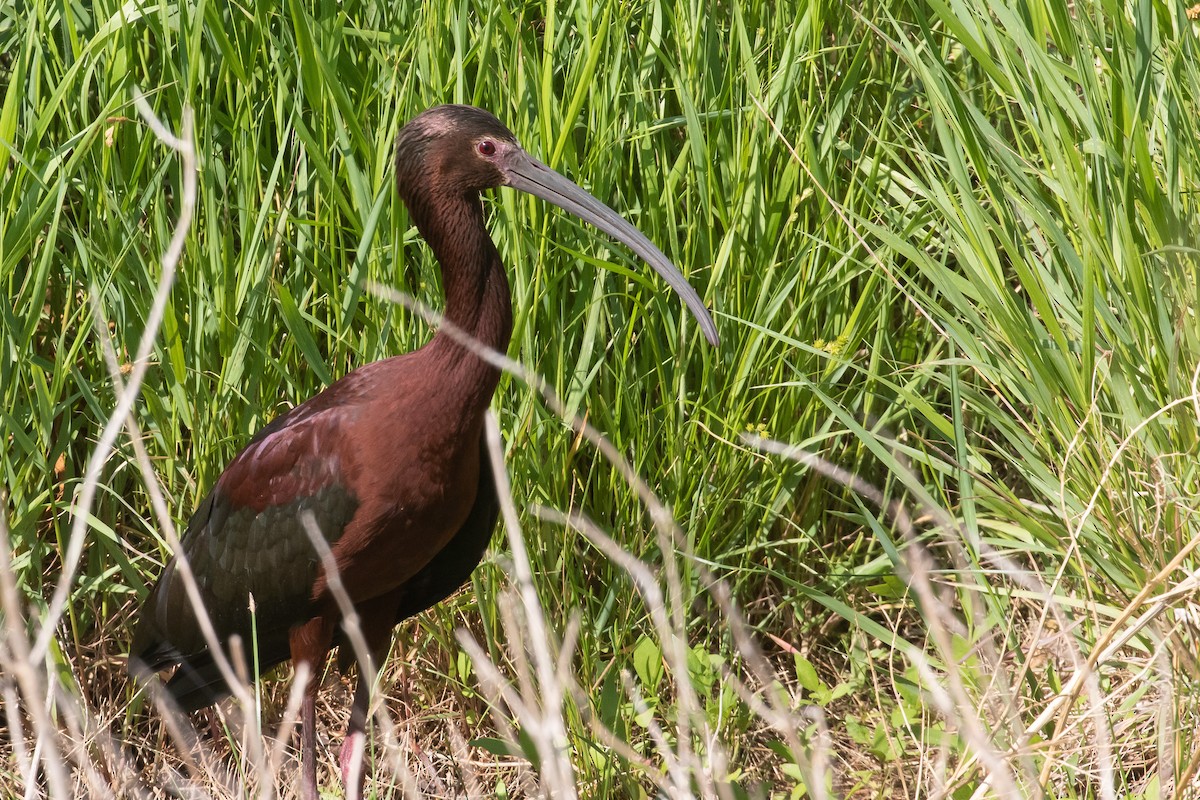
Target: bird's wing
(248, 539)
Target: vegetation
(935, 491)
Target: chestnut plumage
(389, 460)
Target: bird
(389, 460)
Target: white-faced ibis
(389, 460)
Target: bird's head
(454, 151)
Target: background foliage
(951, 250)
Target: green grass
(951, 249)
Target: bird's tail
(198, 681)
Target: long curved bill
(530, 175)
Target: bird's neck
(478, 302)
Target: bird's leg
(352, 757)
(310, 645)
(354, 747)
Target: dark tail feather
(197, 682)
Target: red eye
(487, 148)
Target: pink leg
(353, 754)
(352, 758)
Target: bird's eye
(487, 148)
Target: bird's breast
(417, 495)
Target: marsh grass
(934, 494)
